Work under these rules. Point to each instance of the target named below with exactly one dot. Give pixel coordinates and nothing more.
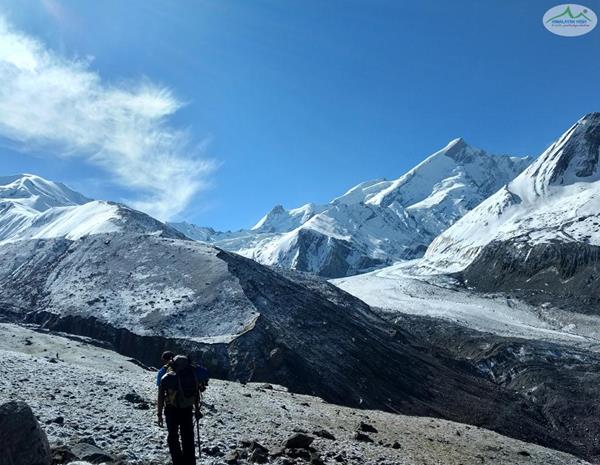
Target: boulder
(212, 451)
(367, 428)
(91, 453)
(323, 433)
(61, 455)
(303, 454)
(22, 440)
(299, 441)
(362, 437)
(232, 457)
(258, 453)
(134, 398)
(259, 456)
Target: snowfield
(79, 397)
(403, 288)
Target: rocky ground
(84, 395)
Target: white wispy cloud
(62, 105)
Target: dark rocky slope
(143, 293)
(564, 274)
(560, 380)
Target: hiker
(178, 396)
(165, 359)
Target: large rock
(91, 453)
(299, 441)
(22, 440)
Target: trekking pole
(198, 415)
(198, 437)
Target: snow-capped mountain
(541, 228)
(280, 220)
(556, 199)
(376, 222)
(141, 293)
(32, 208)
(37, 193)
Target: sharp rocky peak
(573, 157)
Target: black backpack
(182, 385)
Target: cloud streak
(63, 106)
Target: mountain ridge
(375, 222)
(32, 207)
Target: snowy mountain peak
(455, 166)
(456, 145)
(572, 158)
(277, 210)
(555, 200)
(274, 214)
(461, 152)
(36, 193)
(459, 141)
(281, 220)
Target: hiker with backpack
(179, 398)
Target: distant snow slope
(400, 289)
(376, 222)
(556, 199)
(34, 208)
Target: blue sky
(258, 103)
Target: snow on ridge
(72, 223)
(32, 207)
(363, 192)
(456, 159)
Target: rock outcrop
(565, 275)
(22, 440)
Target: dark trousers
(180, 424)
